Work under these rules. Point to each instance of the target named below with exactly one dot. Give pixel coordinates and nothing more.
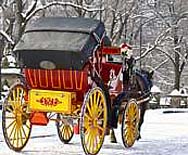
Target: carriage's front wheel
(129, 129)
(93, 121)
(15, 119)
(64, 129)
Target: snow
(11, 60)
(175, 92)
(10, 71)
(162, 134)
(155, 89)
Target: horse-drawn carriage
(69, 79)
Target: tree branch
(31, 9)
(185, 58)
(157, 13)
(167, 54)
(6, 36)
(156, 43)
(161, 64)
(61, 4)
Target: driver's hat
(126, 50)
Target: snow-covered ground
(162, 134)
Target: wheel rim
(65, 129)
(93, 121)
(130, 123)
(15, 120)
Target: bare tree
(174, 16)
(160, 23)
(116, 17)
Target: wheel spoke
(100, 112)
(89, 109)
(14, 137)
(98, 99)
(87, 117)
(87, 134)
(12, 123)
(27, 126)
(100, 128)
(13, 130)
(24, 132)
(65, 132)
(9, 109)
(17, 140)
(91, 141)
(10, 117)
(21, 137)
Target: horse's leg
(112, 136)
(143, 108)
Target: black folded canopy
(67, 43)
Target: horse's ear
(151, 74)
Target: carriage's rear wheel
(93, 121)
(15, 119)
(64, 129)
(130, 122)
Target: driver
(126, 50)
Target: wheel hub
(95, 122)
(19, 120)
(18, 115)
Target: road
(162, 134)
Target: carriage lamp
(47, 64)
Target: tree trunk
(177, 59)
(19, 20)
(112, 25)
(123, 27)
(1, 53)
(177, 79)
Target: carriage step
(76, 128)
(39, 118)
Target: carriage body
(55, 53)
(66, 73)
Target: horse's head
(148, 76)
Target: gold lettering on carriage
(49, 101)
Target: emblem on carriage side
(48, 101)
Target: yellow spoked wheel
(93, 121)
(64, 129)
(130, 122)
(15, 119)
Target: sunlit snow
(165, 132)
